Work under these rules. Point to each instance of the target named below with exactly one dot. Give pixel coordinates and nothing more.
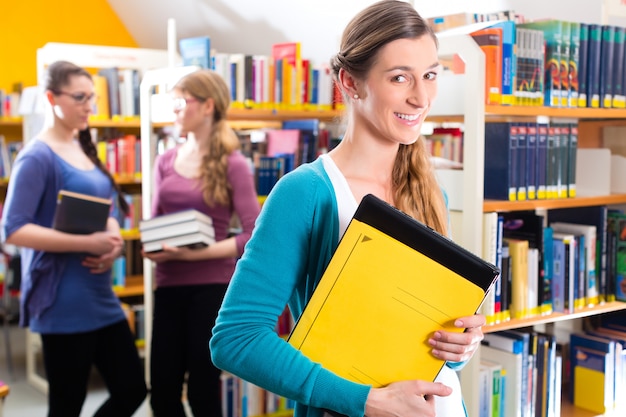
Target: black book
(80, 214)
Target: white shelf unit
(461, 98)
(165, 78)
(87, 56)
(464, 94)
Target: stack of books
(188, 228)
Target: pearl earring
(356, 96)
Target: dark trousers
(68, 359)
(183, 319)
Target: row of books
(554, 63)
(527, 161)
(527, 369)
(8, 153)
(282, 79)
(121, 155)
(10, 102)
(534, 371)
(241, 398)
(275, 152)
(560, 262)
(446, 143)
(117, 93)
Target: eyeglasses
(79, 98)
(179, 103)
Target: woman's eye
(430, 76)
(400, 78)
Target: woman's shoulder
(36, 149)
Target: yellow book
(518, 250)
(391, 283)
(101, 106)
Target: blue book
(532, 166)
(501, 170)
(583, 57)
(196, 51)
(606, 66)
(558, 279)
(595, 216)
(571, 159)
(619, 90)
(594, 65)
(542, 161)
(522, 157)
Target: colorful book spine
(490, 42)
(508, 61)
(574, 64)
(553, 35)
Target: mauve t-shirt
(174, 192)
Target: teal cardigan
(293, 241)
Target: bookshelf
(461, 100)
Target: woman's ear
(209, 106)
(349, 85)
(50, 97)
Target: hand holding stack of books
(188, 228)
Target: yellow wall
(30, 24)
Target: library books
(389, 273)
(79, 213)
(187, 228)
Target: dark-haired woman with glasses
(67, 294)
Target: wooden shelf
(577, 113)
(133, 287)
(554, 317)
(234, 115)
(268, 115)
(10, 122)
(501, 205)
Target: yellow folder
(391, 283)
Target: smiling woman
(387, 69)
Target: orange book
(290, 53)
(490, 41)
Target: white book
(512, 364)
(533, 282)
(178, 229)
(192, 241)
(174, 218)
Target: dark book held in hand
(80, 214)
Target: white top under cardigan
(450, 406)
